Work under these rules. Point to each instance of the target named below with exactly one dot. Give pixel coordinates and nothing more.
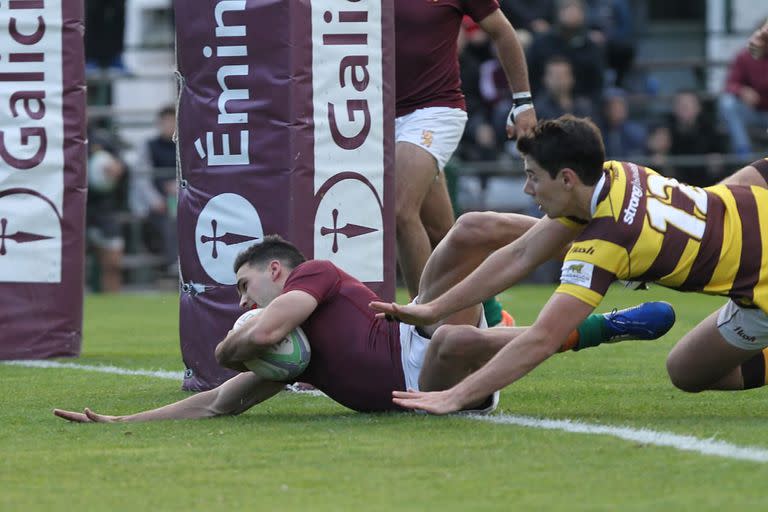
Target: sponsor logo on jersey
(577, 272)
(582, 250)
(634, 200)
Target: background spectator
(623, 137)
(106, 179)
(479, 141)
(744, 104)
(529, 17)
(612, 29)
(153, 191)
(104, 38)
(569, 38)
(658, 145)
(557, 98)
(694, 133)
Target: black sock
(753, 371)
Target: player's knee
(680, 376)
(453, 342)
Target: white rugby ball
(283, 361)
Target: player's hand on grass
(87, 416)
(414, 314)
(433, 402)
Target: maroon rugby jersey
(426, 52)
(355, 356)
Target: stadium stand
(678, 46)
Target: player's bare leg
(456, 351)
(474, 236)
(437, 212)
(415, 171)
(472, 239)
(703, 360)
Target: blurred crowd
(581, 56)
(132, 207)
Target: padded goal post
(285, 125)
(42, 178)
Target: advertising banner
(285, 125)
(42, 178)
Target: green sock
(591, 332)
(492, 309)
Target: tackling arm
(560, 316)
(499, 271)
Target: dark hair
(168, 110)
(558, 59)
(273, 247)
(567, 141)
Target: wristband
(521, 101)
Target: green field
(300, 452)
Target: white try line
(644, 436)
(160, 374)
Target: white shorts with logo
(437, 130)
(413, 347)
(744, 328)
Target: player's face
(256, 286)
(548, 193)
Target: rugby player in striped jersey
(624, 222)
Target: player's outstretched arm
(499, 271)
(235, 396)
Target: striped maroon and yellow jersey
(646, 227)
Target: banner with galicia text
(285, 125)
(42, 178)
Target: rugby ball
(283, 361)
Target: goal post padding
(42, 178)
(286, 126)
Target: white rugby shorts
(744, 328)
(437, 130)
(413, 347)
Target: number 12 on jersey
(661, 212)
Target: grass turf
(298, 452)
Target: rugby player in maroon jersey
(357, 358)
(431, 114)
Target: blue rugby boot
(646, 321)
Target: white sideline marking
(644, 436)
(160, 374)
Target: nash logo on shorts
(743, 335)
